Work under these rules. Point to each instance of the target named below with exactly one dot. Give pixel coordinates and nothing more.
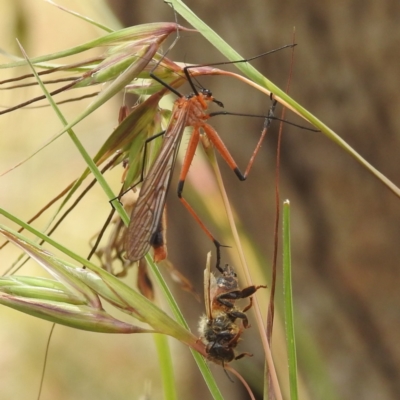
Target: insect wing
(209, 281)
(146, 215)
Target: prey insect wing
(146, 215)
(208, 276)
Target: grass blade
(288, 303)
(166, 366)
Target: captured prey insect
(218, 328)
(188, 111)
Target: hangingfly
(144, 229)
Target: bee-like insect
(218, 328)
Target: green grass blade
(288, 303)
(167, 370)
(83, 17)
(114, 38)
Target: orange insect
(145, 228)
(143, 231)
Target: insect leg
(225, 154)
(194, 140)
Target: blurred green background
(345, 223)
